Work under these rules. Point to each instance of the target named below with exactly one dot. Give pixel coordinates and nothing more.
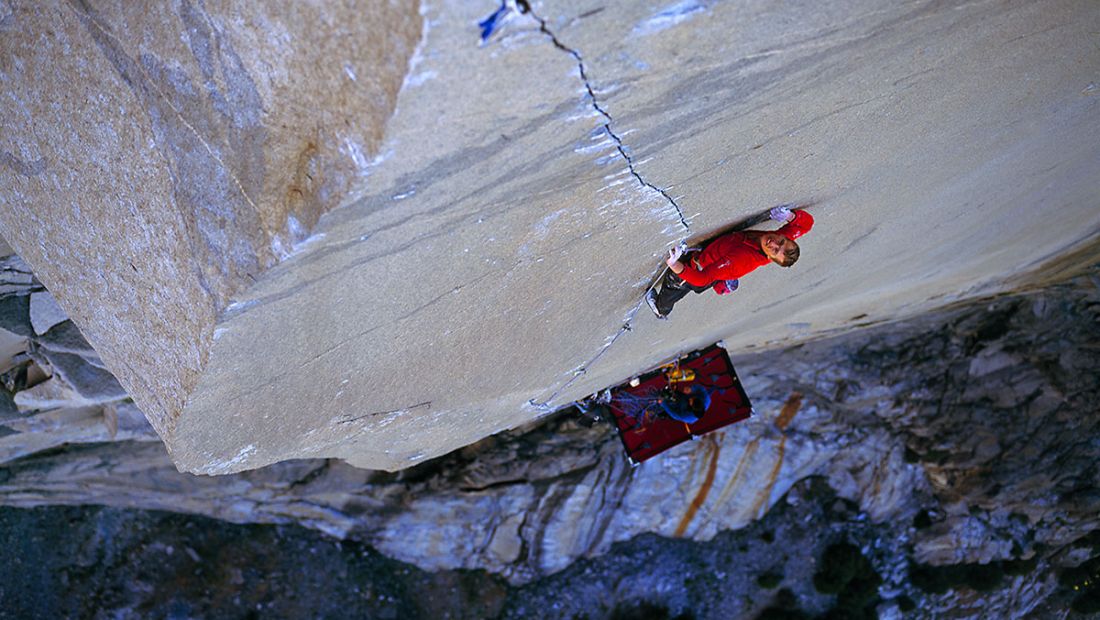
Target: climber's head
(698, 399)
(781, 250)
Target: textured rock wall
(54, 388)
(982, 418)
(159, 157)
(527, 183)
(495, 268)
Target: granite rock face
(983, 419)
(161, 157)
(521, 188)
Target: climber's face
(779, 249)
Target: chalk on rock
(45, 313)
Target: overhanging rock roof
(175, 185)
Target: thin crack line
(628, 325)
(525, 7)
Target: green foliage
(784, 607)
(931, 579)
(936, 457)
(1085, 580)
(983, 577)
(839, 565)
(1084, 575)
(977, 577)
(1087, 602)
(861, 590)
(770, 579)
(1016, 568)
(922, 520)
(786, 599)
(1092, 540)
(778, 613)
(840, 613)
(645, 610)
(701, 581)
(906, 604)
(845, 572)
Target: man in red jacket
(723, 261)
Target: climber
(722, 262)
(684, 403)
(680, 402)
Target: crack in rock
(544, 406)
(524, 7)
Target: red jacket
(731, 256)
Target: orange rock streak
(704, 490)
